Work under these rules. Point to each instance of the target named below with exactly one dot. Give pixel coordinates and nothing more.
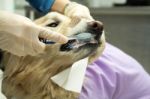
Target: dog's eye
(54, 24)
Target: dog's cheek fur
(28, 78)
(99, 51)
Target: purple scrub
(115, 75)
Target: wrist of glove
(74, 9)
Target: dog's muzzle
(90, 36)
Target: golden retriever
(29, 77)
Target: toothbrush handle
(47, 41)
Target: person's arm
(68, 8)
(43, 6)
(60, 5)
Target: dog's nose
(95, 25)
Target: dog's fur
(29, 77)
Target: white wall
(7, 5)
(104, 3)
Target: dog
(28, 77)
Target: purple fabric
(115, 75)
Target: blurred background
(126, 22)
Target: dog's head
(30, 74)
(86, 37)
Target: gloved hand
(73, 9)
(20, 36)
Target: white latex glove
(20, 36)
(74, 9)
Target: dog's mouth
(79, 40)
